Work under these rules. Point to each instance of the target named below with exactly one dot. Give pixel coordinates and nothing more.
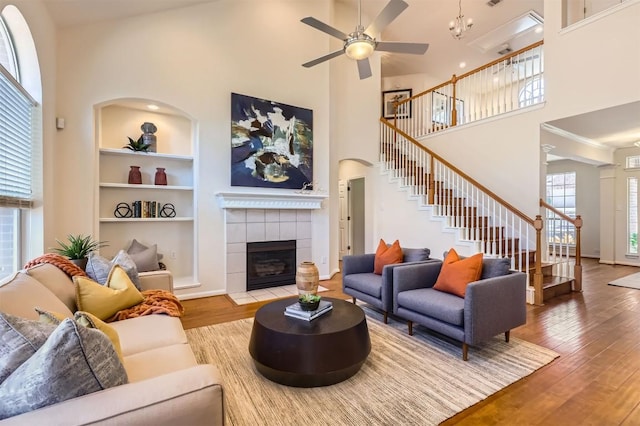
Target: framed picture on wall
(389, 99)
(439, 110)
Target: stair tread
(552, 281)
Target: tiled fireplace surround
(252, 225)
(253, 217)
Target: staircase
(483, 219)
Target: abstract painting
(271, 144)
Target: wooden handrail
(455, 78)
(557, 212)
(487, 191)
(503, 58)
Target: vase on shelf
(135, 177)
(161, 176)
(307, 278)
(148, 137)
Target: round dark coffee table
(300, 353)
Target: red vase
(135, 177)
(161, 176)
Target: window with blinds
(19, 132)
(15, 143)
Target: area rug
(630, 281)
(412, 380)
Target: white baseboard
(531, 295)
(200, 294)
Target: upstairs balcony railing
(512, 82)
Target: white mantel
(246, 200)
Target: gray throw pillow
(73, 361)
(495, 267)
(415, 254)
(146, 260)
(19, 339)
(136, 247)
(98, 267)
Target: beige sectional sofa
(166, 385)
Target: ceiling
(616, 127)
(423, 21)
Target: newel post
(454, 111)
(577, 270)
(537, 274)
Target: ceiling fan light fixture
(359, 48)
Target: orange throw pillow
(457, 273)
(386, 256)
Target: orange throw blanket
(155, 301)
(60, 262)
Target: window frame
(566, 230)
(530, 94)
(17, 192)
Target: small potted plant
(78, 247)
(309, 302)
(138, 145)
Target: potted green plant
(78, 247)
(309, 302)
(138, 145)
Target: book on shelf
(146, 209)
(296, 311)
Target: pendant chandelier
(459, 26)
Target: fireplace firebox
(271, 264)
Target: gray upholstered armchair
(494, 304)
(360, 282)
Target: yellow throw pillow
(91, 321)
(49, 317)
(104, 301)
(85, 319)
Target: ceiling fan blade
(323, 58)
(400, 47)
(364, 68)
(318, 25)
(385, 17)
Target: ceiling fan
(361, 43)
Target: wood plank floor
(596, 380)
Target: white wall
(502, 154)
(587, 201)
(355, 113)
(192, 59)
(593, 64)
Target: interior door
(356, 216)
(344, 213)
